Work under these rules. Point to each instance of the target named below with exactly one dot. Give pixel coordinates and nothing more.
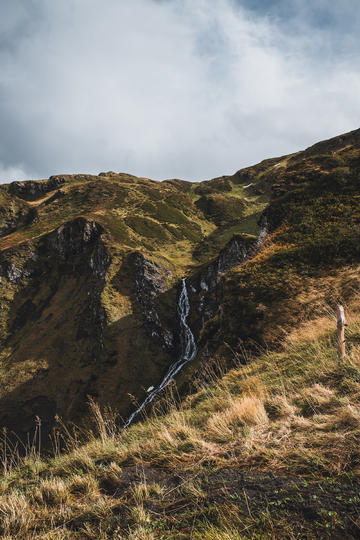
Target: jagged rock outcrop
(16, 264)
(75, 248)
(42, 275)
(75, 237)
(79, 246)
(150, 282)
(33, 190)
(76, 244)
(205, 286)
(12, 272)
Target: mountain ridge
(77, 307)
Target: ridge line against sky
(172, 88)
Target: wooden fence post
(341, 323)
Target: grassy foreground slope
(267, 450)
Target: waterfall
(187, 337)
(188, 352)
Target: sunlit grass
(294, 412)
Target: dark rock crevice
(81, 252)
(205, 287)
(150, 283)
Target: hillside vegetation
(78, 288)
(267, 450)
(258, 436)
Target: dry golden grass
(245, 411)
(16, 514)
(290, 412)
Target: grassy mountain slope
(90, 268)
(267, 450)
(79, 306)
(64, 316)
(313, 220)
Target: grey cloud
(168, 89)
(18, 21)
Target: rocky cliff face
(205, 290)
(71, 241)
(33, 190)
(79, 248)
(151, 281)
(76, 245)
(38, 275)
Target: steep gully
(187, 339)
(188, 347)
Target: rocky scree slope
(90, 271)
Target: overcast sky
(172, 88)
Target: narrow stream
(188, 352)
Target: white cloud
(164, 89)
(9, 174)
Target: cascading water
(188, 348)
(187, 337)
